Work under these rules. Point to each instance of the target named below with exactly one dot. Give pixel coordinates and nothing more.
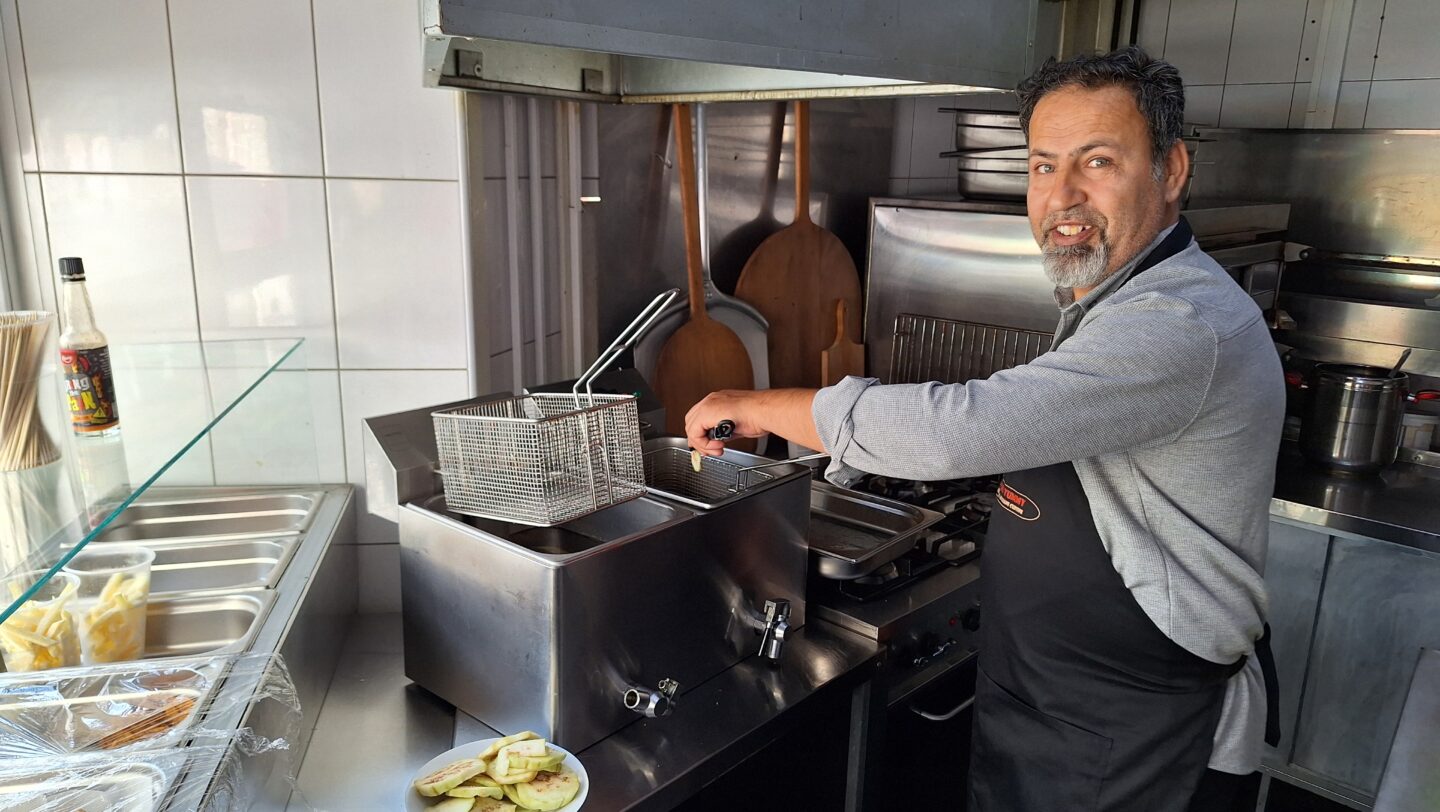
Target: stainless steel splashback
(977, 262)
(970, 262)
(1361, 191)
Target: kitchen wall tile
(375, 392)
(379, 566)
(934, 133)
(1404, 104)
(1310, 40)
(1299, 105)
(399, 276)
(1360, 50)
(19, 87)
(42, 267)
(245, 80)
(904, 131)
(1407, 40)
(1202, 104)
(286, 431)
(1265, 43)
(1154, 20)
(1350, 108)
(1256, 105)
(933, 186)
(176, 377)
(101, 88)
(131, 231)
(999, 102)
(262, 261)
(379, 120)
(1197, 39)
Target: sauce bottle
(85, 357)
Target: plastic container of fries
(114, 589)
(41, 634)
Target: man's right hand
(735, 405)
(785, 412)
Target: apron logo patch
(1017, 503)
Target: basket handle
(623, 342)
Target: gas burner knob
(970, 619)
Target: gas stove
(925, 605)
(966, 505)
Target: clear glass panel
(192, 415)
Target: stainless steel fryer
(574, 629)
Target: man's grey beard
(1076, 266)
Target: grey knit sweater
(1165, 391)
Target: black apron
(1082, 703)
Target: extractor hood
(727, 50)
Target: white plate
(415, 802)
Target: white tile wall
(399, 280)
(1407, 41)
(1299, 105)
(1266, 41)
(1310, 40)
(262, 261)
(1197, 40)
(19, 89)
(903, 138)
(288, 431)
(101, 88)
(922, 132)
(1350, 107)
(40, 243)
(233, 170)
(369, 393)
(368, 52)
(1361, 50)
(245, 80)
(1389, 65)
(933, 133)
(1154, 21)
(1202, 104)
(1256, 105)
(131, 231)
(1405, 103)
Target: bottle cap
(72, 268)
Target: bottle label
(90, 388)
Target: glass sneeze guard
(192, 414)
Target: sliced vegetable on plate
(519, 773)
(449, 777)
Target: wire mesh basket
(544, 459)
(670, 472)
(541, 459)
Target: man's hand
(734, 405)
(785, 412)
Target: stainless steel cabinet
(1348, 617)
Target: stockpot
(1353, 415)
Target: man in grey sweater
(1122, 592)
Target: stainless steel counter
(376, 729)
(1400, 505)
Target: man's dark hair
(1155, 83)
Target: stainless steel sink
(218, 565)
(206, 624)
(239, 515)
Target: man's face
(1093, 200)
